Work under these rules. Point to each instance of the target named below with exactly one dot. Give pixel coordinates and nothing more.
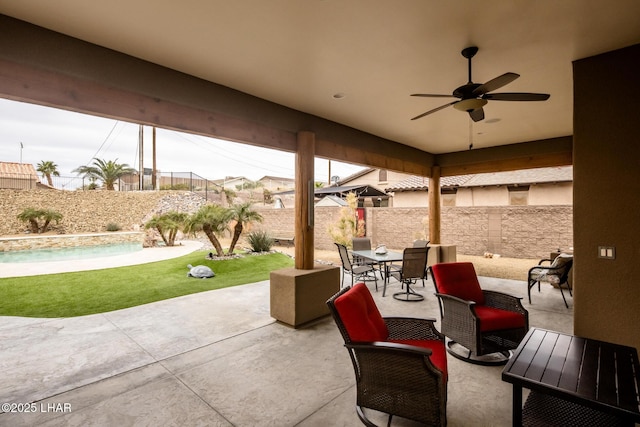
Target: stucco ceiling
(300, 53)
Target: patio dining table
(382, 259)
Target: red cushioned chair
(400, 363)
(486, 324)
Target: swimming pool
(69, 253)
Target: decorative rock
(200, 271)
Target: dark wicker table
(573, 379)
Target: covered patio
(587, 57)
(219, 359)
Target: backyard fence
(187, 181)
(511, 231)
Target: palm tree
(168, 225)
(242, 214)
(213, 220)
(34, 216)
(48, 168)
(106, 171)
(31, 216)
(49, 215)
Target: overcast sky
(72, 139)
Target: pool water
(69, 254)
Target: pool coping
(146, 255)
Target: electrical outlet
(607, 252)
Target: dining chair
(362, 244)
(414, 264)
(364, 272)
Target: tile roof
(520, 177)
(13, 168)
(276, 178)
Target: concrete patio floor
(218, 359)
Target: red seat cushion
(495, 319)
(458, 279)
(438, 356)
(360, 315)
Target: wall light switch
(607, 252)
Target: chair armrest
(539, 272)
(504, 301)
(459, 314)
(402, 364)
(411, 328)
(445, 297)
(403, 348)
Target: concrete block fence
(511, 231)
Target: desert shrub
(260, 241)
(112, 226)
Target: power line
(103, 142)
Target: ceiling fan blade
(477, 114)
(431, 95)
(442, 107)
(496, 83)
(516, 96)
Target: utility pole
(329, 175)
(141, 152)
(154, 171)
(21, 147)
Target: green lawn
(98, 291)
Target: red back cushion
(458, 279)
(360, 316)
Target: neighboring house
(276, 183)
(18, 176)
(332, 200)
(542, 186)
(380, 178)
(234, 183)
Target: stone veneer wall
(511, 231)
(68, 240)
(91, 211)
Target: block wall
(511, 231)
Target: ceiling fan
(473, 96)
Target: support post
(304, 190)
(434, 205)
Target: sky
(31, 134)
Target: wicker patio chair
(556, 273)
(363, 272)
(414, 265)
(486, 325)
(400, 363)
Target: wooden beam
(434, 206)
(304, 190)
(24, 83)
(525, 155)
(400, 158)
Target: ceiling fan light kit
(473, 96)
(470, 104)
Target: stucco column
(434, 206)
(304, 189)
